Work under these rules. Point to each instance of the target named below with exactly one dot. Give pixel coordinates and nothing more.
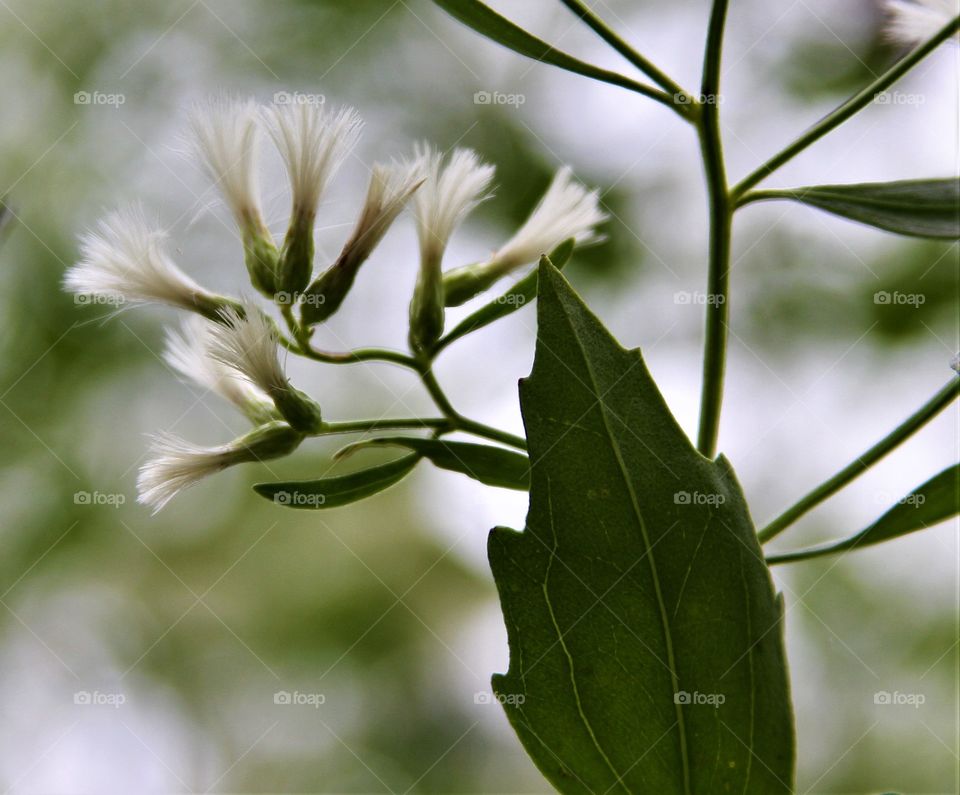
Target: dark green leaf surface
(921, 208)
(335, 491)
(493, 466)
(637, 584)
(925, 506)
(517, 297)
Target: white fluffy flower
(389, 189)
(566, 210)
(313, 142)
(188, 352)
(247, 344)
(225, 138)
(124, 260)
(177, 464)
(447, 195)
(915, 21)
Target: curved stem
(457, 420)
(360, 355)
(611, 37)
(862, 463)
(360, 426)
(485, 431)
(721, 221)
(852, 106)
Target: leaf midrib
(635, 504)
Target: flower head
(225, 140)
(566, 210)
(314, 143)
(391, 186)
(389, 189)
(124, 260)
(914, 21)
(247, 343)
(188, 352)
(225, 137)
(177, 464)
(449, 193)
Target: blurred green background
(195, 618)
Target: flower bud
(225, 139)
(313, 144)
(177, 464)
(248, 344)
(448, 194)
(566, 210)
(390, 188)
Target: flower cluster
(232, 346)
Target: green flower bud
(296, 258)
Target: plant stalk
(721, 222)
(862, 463)
(852, 106)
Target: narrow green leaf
(494, 466)
(487, 22)
(336, 491)
(921, 208)
(925, 506)
(646, 648)
(517, 297)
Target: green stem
(852, 106)
(807, 554)
(301, 345)
(897, 436)
(486, 432)
(457, 420)
(360, 355)
(360, 426)
(610, 36)
(721, 221)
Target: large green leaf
(336, 491)
(517, 297)
(921, 208)
(493, 466)
(637, 585)
(925, 506)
